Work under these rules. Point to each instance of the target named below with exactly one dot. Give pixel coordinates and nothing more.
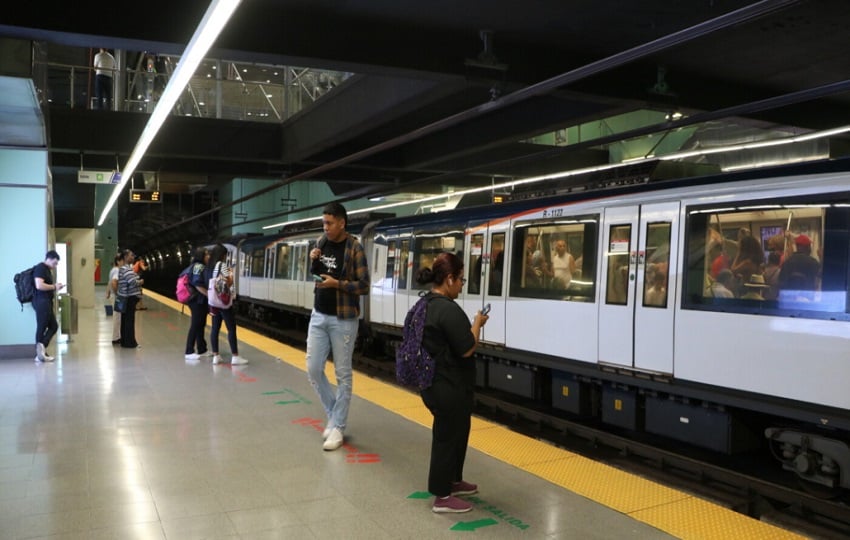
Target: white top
(561, 270)
(104, 64)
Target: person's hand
(328, 282)
(315, 253)
(481, 319)
(59, 286)
(141, 281)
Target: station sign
(96, 177)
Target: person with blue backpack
(197, 305)
(450, 340)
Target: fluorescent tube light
(216, 17)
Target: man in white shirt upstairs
(104, 67)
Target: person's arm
(41, 285)
(477, 325)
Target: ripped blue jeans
(329, 333)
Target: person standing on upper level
(104, 67)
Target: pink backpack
(185, 291)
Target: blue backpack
(413, 365)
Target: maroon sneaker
(450, 505)
(463, 488)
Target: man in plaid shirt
(342, 276)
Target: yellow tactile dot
(697, 519)
(606, 485)
(512, 447)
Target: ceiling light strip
(215, 19)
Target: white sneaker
(208, 353)
(334, 440)
(192, 356)
(327, 432)
(217, 359)
(238, 361)
(39, 351)
(48, 358)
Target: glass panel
(258, 261)
(403, 258)
(556, 259)
(388, 276)
(284, 267)
(619, 247)
(497, 264)
(476, 260)
(778, 257)
(429, 244)
(656, 264)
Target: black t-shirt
(330, 262)
(43, 271)
(447, 336)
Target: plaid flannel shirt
(354, 280)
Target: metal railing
(233, 98)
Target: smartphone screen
(486, 309)
(318, 278)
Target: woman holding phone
(451, 340)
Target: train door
(493, 286)
(636, 312)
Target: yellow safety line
(674, 512)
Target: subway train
(712, 311)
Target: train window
(258, 262)
(391, 259)
(497, 265)
(283, 270)
(656, 264)
(556, 259)
(402, 264)
(428, 244)
(619, 247)
(473, 274)
(776, 257)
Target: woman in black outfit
(198, 306)
(450, 340)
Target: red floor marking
(244, 378)
(362, 458)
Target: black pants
(45, 320)
(196, 328)
(229, 321)
(128, 323)
(451, 405)
(102, 92)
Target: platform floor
(141, 444)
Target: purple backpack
(413, 365)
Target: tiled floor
(126, 444)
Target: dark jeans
(45, 320)
(196, 328)
(229, 321)
(451, 405)
(128, 324)
(102, 91)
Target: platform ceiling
(433, 104)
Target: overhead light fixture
(216, 17)
(565, 174)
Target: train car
(609, 306)
(712, 311)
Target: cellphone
(318, 278)
(486, 309)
